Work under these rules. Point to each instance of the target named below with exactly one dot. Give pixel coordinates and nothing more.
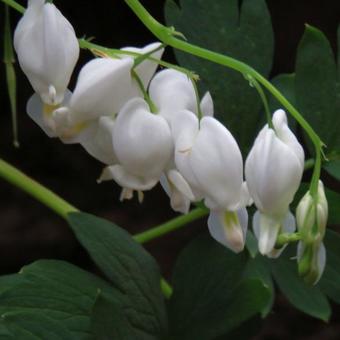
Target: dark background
(29, 231)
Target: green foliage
(132, 271)
(211, 293)
(246, 35)
(316, 86)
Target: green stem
(166, 35)
(166, 288)
(14, 5)
(35, 189)
(285, 238)
(171, 225)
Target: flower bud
(47, 50)
(312, 214)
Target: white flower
(47, 50)
(209, 159)
(273, 171)
(172, 91)
(143, 147)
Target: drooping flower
(172, 91)
(311, 217)
(273, 173)
(104, 85)
(47, 50)
(209, 159)
(143, 147)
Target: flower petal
(172, 91)
(216, 162)
(104, 85)
(229, 228)
(207, 105)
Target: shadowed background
(29, 231)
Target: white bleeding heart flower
(209, 159)
(273, 171)
(143, 147)
(47, 50)
(172, 91)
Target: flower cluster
(149, 127)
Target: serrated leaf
(246, 35)
(315, 85)
(129, 267)
(209, 292)
(308, 299)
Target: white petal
(172, 91)
(207, 105)
(42, 114)
(127, 180)
(287, 136)
(97, 140)
(142, 140)
(147, 68)
(319, 259)
(47, 50)
(229, 228)
(266, 230)
(217, 164)
(273, 173)
(104, 85)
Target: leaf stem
(167, 36)
(171, 225)
(285, 238)
(35, 189)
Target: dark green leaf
(259, 268)
(245, 35)
(62, 292)
(308, 299)
(108, 321)
(209, 292)
(129, 267)
(330, 280)
(35, 326)
(333, 168)
(315, 85)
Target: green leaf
(129, 267)
(333, 168)
(308, 299)
(35, 326)
(329, 282)
(315, 85)
(108, 321)
(209, 292)
(244, 34)
(259, 268)
(60, 291)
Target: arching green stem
(167, 36)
